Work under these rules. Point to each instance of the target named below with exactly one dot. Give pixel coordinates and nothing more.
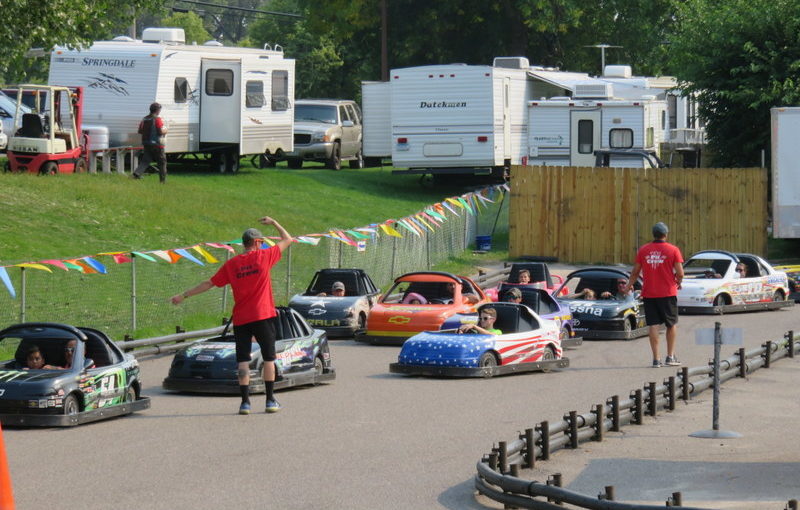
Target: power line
(244, 9)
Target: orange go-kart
(420, 302)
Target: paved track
(368, 440)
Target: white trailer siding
(785, 177)
(122, 78)
(551, 141)
(376, 103)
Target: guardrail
(498, 471)
(166, 343)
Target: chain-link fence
(135, 296)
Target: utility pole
(384, 43)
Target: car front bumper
(450, 371)
(312, 151)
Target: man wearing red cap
(254, 313)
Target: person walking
(254, 312)
(153, 131)
(661, 266)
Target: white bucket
(98, 137)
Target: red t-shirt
(248, 276)
(657, 260)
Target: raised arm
(285, 240)
(197, 289)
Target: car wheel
(548, 355)
(720, 300)
(49, 168)
(295, 163)
(487, 361)
(335, 161)
(130, 394)
(319, 368)
(627, 328)
(778, 296)
(563, 335)
(71, 406)
(80, 166)
(357, 163)
(362, 324)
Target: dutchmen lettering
(442, 104)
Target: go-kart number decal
(10, 375)
(399, 319)
(2, 391)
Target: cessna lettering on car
(399, 319)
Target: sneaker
(273, 406)
(244, 408)
(672, 361)
(657, 363)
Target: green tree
(191, 24)
(741, 57)
(47, 23)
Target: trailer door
(506, 119)
(584, 136)
(221, 101)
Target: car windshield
(704, 268)
(315, 113)
(596, 286)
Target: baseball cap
(251, 234)
(514, 293)
(660, 229)
(338, 286)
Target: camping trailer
(460, 118)
(785, 177)
(226, 101)
(377, 126)
(566, 131)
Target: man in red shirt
(661, 266)
(254, 313)
(153, 131)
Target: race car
(527, 342)
(616, 316)
(541, 302)
(420, 301)
(711, 284)
(338, 315)
(540, 278)
(82, 376)
(209, 366)
(793, 273)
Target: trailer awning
(562, 79)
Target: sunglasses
(69, 349)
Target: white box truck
(574, 131)
(225, 101)
(786, 172)
(461, 119)
(376, 102)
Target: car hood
(582, 309)
(445, 348)
(317, 307)
(412, 318)
(305, 126)
(17, 384)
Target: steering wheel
(441, 301)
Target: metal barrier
(497, 476)
(166, 343)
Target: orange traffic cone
(6, 494)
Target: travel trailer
(567, 131)
(785, 177)
(376, 102)
(223, 101)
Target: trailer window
(181, 90)
(219, 82)
(620, 138)
(254, 91)
(280, 91)
(672, 108)
(650, 137)
(585, 136)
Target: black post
(742, 363)
(636, 419)
(599, 411)
(767, 353)
(127, 338)
(615, 413)
(652, 407)
(503, 457)
(791, 504)
(685, 384)
(790, 343)
(572, 420)
(530, 450)
(493, 461)
(544, 439)
(671, 393)
(677, 499)
(609, 495)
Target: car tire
(487, 361)
(48, 168)
(295, 163)
(80, 166)
(71, 406)
(357, 163)
(563, 336)
(778, 296)
(362, 324)
(548, 355)
(720, 300)
(627, 328)
(319, 368)
(130, 394)
(335, 161)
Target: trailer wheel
(231, 157)
(265, 161)
(335, 161)
(216, 162)
(48, 168)
(357, 163)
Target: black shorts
(264, 333)
(663, 310)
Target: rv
(785, 177)
(223, 101)
(377, 135)
(568, 131)
(463, 119)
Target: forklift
(48, 139)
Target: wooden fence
(602, 215)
